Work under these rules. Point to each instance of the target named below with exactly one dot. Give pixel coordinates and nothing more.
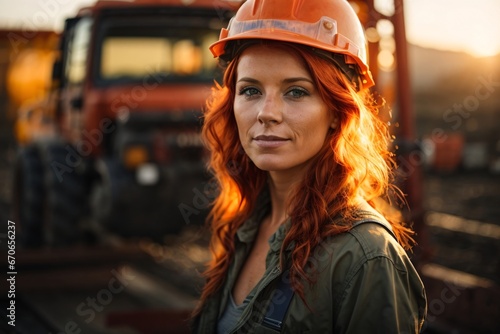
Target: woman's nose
(271, 110)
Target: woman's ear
(335, 122)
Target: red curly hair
(354, 161)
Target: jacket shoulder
(370, 236)
(342, 256)
(374, 240)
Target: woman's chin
(270, 166)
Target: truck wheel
(66, 202)
(28, 196)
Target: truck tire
(28, 197)
(66, 203)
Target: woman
(302, 162)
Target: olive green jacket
(365, 283)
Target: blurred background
(102, 169)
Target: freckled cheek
(243, 127)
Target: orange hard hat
(329, 25)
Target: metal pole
(413, 183)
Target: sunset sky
(459, 25)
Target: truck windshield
(130, 50)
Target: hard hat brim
(218, 48)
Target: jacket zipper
(274, 273)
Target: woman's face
(282, 120)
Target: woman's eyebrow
(295, 79)
(247, 79)
(287, 80)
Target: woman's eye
(249, 91)
(297, 93)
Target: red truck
(120, 151)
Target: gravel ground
(473, 196)
(472, 200)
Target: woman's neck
(280, 187)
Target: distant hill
(430, 67)
(443, 82)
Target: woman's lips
(269, 141)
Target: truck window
(78, 47)
(130, 52)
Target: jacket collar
(276, 240)
(248, 231)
